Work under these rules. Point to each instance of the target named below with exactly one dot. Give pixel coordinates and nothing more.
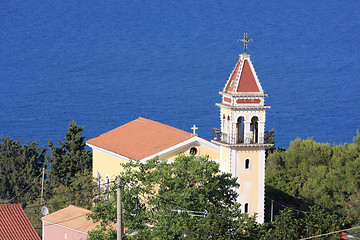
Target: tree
(316, 172)
(81, 192)
(70, 158)
(164, 200)
(20, 170)
(316, 221)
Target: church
(238, 146)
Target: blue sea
(104, 63)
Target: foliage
(80, 192)
(20, 170)
(70, 158)
(319, 173)
(284, 227)
(270, 136)
(173, 198)
(314, 222)
(70, 173)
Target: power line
(72, 191)
(50, 223)
(51, 203)
(169, 210)
(296, 210)
(24, 189)
(330, 233)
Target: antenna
(44, 210)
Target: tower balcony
(243, 139)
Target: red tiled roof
(231, 84)
(72, 217)
(140, 138)
(14, 224)
(245, 81)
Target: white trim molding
(108, 152)
(194, 140)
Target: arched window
(223, 121)
(247, 163)
(246, 208)
(254, 130)
(107, 187)
(98, 179)
(240, 130)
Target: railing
(240, 139)
(220, 136)
(249, 138)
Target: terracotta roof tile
(140, 138)
(14, 224)
(245, 80)
(72, 217)
(231, 83)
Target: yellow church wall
(249, 178)
(225, 111)
(224, 158)
(203, 151)
(109, 165)
(106, 165)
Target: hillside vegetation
(311, 173)
(313, 187)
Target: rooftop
(140, 138)
(14, 224)
(71, 217)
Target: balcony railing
(220, 136)
(248, 138)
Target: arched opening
(247, 163)
(98, 179)
(226, 136)
(107, 187)
(254, 130)
(240, 130)
(223, 121)
(246, 208)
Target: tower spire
(245, 41)
(242, 136)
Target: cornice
(249, 94)
(243, 107)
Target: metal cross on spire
(245, 40)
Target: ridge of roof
(140, 138)
(71, 217)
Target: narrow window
(240, 130)
(246, 208)
(254, 130)
(247, 163)
(107, 187)
(98, 179)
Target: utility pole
(272, 210)
(119, 210)
(42, 186)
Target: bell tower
(241, 136)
